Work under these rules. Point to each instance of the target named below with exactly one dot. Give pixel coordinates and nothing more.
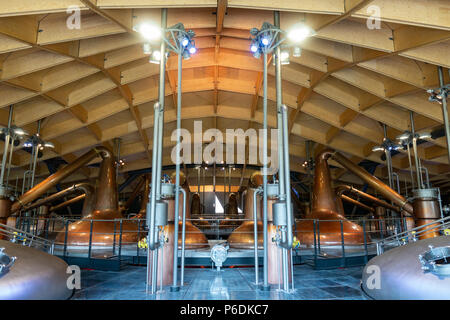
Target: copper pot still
(195, 238)
(231, 211)
(104, 233)
(426, 210)
(243, 236)
(325, 208)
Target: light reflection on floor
(228, 284)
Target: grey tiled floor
(233, 284)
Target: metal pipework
(84, 187)
(135, 192)
(264, 174)
(57, 177)
(445, 111)
(183, 237)
(378, 202)
(5, 151)
(416, 156)
(255, 234)
(374, 182)
(67, 203)
(357, 203)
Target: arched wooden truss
(94, 84)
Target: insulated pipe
(57, 177)
(374, 182)
(255, 235)
(357, 203)
(416, 156)
(5, 151)
(68, 202)
(85, 187)
(175, 286)
(289, 240)
(264, 174)
(445, 112)
(343, 188)
(183, 236)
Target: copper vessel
(165, 257)
(231, 211)
(5, 209)
(136, 192)
(195, 238)
(196, 210)
(243, 236)
(324, 208)
(104, 233)
(426, 210)
(145, 198)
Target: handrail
(417, 231)
(28, 237)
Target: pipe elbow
(324, 155)
(103, 152)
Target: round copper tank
(106, 208)
(243, 236)
(5, 210)
(326, 207)
(194, 236)
(231, 211)
(426, 210)
(165, 257)
(256, 179)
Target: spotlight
(148, 31)
(254, 47)
(192, 49)
(155, 57)
(265, 40)
(300, 32)
(284, 57)
(147, 48)
(296, 52)
(184, 41)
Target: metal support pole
(266, 248)
(255, 236)
(5, 151)
(175, 286)
(445, 112)
(183, 236)
(416, 157)
(410, 166)
(388, 159)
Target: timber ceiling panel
(91, 85)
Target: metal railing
(26, 238)
(405, 237)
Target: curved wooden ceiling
(94, 84)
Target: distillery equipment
(100, 228)
(332, 226)
(426, 209)
(417, 271)
(31, 274)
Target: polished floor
(228, 284)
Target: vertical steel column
(35, 155)
(410, 166)
(175, 286)
(388, 159)
(445, 112)
(266, 248)
(5, 151)
(156, 159)
(255, 236)
(416, 156)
